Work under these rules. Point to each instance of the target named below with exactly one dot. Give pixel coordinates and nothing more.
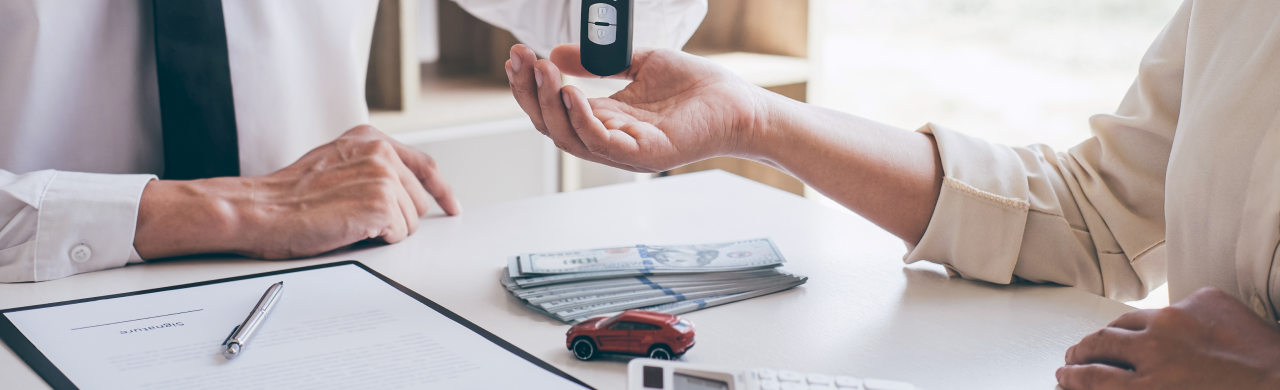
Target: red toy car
(636, 332)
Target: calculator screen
(685, 382)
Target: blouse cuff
(978, 223)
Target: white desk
(862, 313)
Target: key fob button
(602, 35)
(603, 13)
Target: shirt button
(81, 253)
(1256, 303)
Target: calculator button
(769, 385)
(819, 379)
(880, 384)
(765, 373)
(822, 387)
(790, 376)
(794, 386)
(848, 382)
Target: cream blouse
(1181, 184)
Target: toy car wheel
(660, 352)
(584, 349)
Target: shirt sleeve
(1092, 217)
(543, 24)
(63, 223)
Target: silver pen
(239, 337)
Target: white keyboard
(648, 374)
(770, 379)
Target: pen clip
(233, 333)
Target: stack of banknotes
(576, 285)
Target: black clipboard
(20, 345)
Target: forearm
(888, 175)
(177, 218)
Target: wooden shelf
(449, 102)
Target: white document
(332, 328)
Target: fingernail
(510, 77)
(568, 104)
(515, 60)
(537, 76)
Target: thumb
(568, 57)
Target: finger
(410, 214)
(523, 85)
(555, 115)
(413, 187)
(569, 58)
(393, 219)
(1112, 346)
(1134, 320)
(613, 145)
(1094, 377)
(428, 174)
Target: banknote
(577, 316)
(633, 303)
(686, 306)
(525, 282)
(575, 285)
(656, 281)
(570, 302)
(699, 304)
(555, 304)
(736, 255)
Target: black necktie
(196, 107)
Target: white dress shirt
(80, 132)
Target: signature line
(140, 319)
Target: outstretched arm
(681, 109)
(1091, 218)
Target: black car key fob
(606, 36)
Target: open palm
(678, 109)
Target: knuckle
(380, 170)
(382, 147)
(429, 162)
(360, 131)
(1169, 316)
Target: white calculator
(650, 374)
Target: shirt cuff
(87, 223)
(978, 223)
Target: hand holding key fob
(606, 33)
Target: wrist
(770, 128)
(178, 218)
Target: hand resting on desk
(1207, 341)
(362, 186)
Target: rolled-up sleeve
(64, 223)
(1092, 217)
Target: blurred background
(1014, 72)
